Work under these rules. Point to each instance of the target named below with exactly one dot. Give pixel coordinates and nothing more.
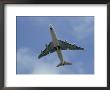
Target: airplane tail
(65, 63)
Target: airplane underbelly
(55, 42)
(59, 53)
(54, 39)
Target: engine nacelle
(66, 41)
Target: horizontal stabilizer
(65, 63)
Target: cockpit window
(50, 28)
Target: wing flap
(65, 45)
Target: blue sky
(33, 34)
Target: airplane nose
(50, 27)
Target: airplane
(57, 46)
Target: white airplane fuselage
(56, 43)
(57, 47)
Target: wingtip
(39, 57)
(82, 48)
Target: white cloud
(84, 28)
(25, 62)
(80, 67)
(46, 65)
(30, 64)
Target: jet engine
(66, 41)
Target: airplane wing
(49, 49)
(64, 45)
